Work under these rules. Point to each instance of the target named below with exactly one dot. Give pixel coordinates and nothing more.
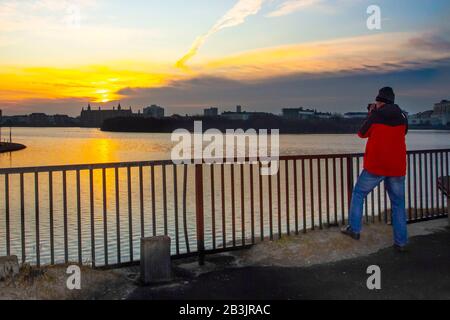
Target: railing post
(349, 182)
(199, 214)
(448, 210)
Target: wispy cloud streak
(291, 6)
(234, 17)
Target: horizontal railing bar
(82, 167)
(133, 164)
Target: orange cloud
(333, 56)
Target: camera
(371, 107)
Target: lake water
(53, 146)
(163, 212)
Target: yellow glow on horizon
(93, 83)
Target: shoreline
(412, 129)
(11, 147)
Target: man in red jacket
(385, 160)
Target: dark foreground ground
(421, 273)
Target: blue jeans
(396, 189)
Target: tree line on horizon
(259, 122)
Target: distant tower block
(154, 111)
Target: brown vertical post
(349, 182)
(7, 217)
(199, 213)
(36, 201)
(65, 218)
(22, 218)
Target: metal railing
(96, 214)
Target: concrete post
(9, 267)
(155, 259)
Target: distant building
(238, 115)
(94, 118)
(291, 113)
(323, 115)
(154, 111)
(15, 120)
(420, 119)
(211, 112)
(441, 113)
(63, 120)
(356, 115)
(39, 119)
(439, 116)
(298, 113)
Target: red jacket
(386, 129)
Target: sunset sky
(58, 55)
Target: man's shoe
(400, 248)
(348, 232)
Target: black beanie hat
(386, 95)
